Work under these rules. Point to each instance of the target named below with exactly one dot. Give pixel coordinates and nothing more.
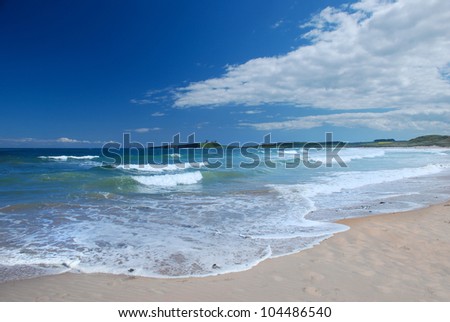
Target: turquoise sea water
(64, 210)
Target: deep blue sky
(82, 70)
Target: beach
(393, 257)
(211, 152)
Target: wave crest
(170, 180)
(161, 167)
(68, 157)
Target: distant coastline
(425, 141)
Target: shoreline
(401, 256)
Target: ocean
(73, 210)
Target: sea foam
(339, 181)
(170, 180)
(96, 222)
(161, 167)
(68, 157)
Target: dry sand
(395, 257)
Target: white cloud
(67, 140)
(202, 125)
(248, 112)
(371, 54)
(145, 129)
(18, 140)
(158, 114)
(252, 112)
(277, 24)
(142, 130)
(387, 121)
(155, 96)
(60, 140)
(141, 101)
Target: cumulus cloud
(387, 121)
(371, 54)
(158, 114)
